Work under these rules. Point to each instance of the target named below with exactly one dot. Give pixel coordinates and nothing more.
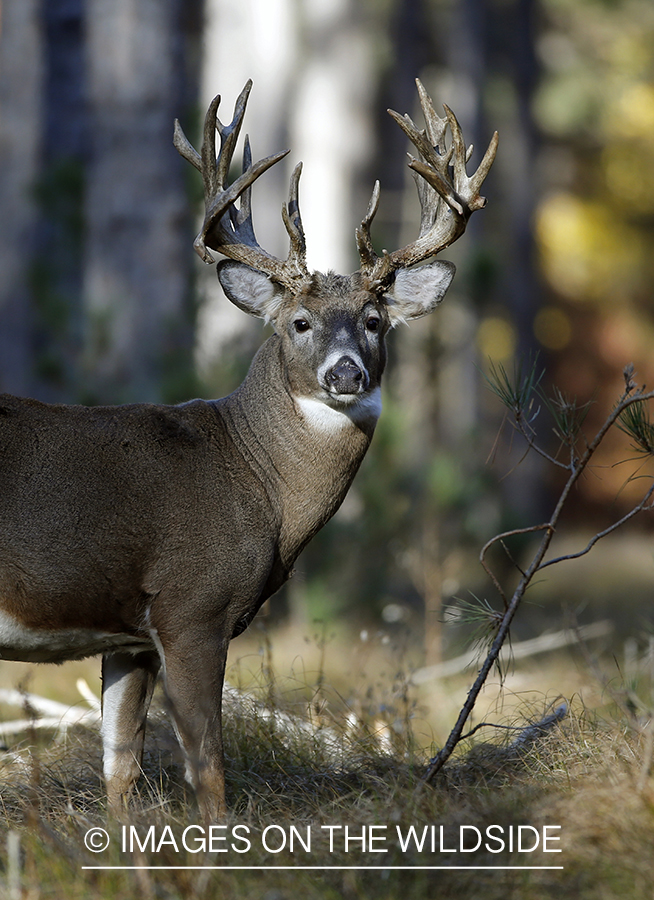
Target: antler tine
(227, 228)
(241, 216)
(185, 148)
(228, 135)
(468, 186)
(209, 169)
(293, 222)
(433, 162)
(429, 202)
(364, 241)
(448, 196)
(436, 126)
(483, 169)
(376, 270)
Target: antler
(226, 228)
(448, 196)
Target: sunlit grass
(359, 766)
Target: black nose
(345, 377)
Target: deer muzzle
(346, 377)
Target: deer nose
(346, 377)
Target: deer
(152, 534)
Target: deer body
(152, 534)
(128, 527)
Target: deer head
(386, 290)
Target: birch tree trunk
(311, 64)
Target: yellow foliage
(496, 339)
(597, 95)
(587, 252)
(634, 110)
(628, 158)
(552, 328)
(629, 175)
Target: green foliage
(635, 422)
(479, 616)
(520, 392)
(447, 480)
(516, 392)
(567, 414)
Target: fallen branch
(537, 730)
(542, 644)
(45, 713)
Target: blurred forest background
(102, 299)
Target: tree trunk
(138, 247)
(56, 270)
(20, 139)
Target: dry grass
(591, 776)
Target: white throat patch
(323, 417)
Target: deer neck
(305, 453)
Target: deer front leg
(194, 671)
(127, 684)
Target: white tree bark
(311, 65)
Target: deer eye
(301, 325)
(373, 323)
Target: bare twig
(501, 537)
(643, 505)
(576, 466)
(530, 437)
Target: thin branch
(437, 763)
(476, 728)
(545, 643)
(577, 466)
(511, 559)
(532, 445)
(500, 537)
(641, 506)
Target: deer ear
(249, 289)
(416, 292)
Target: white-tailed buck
(152, 534)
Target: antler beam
(227, 229)
(448, 196)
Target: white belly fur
(19, 642)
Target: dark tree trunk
(20, 139)
(138, 254)
(56, 270)
(95, 239)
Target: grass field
(325, 743)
